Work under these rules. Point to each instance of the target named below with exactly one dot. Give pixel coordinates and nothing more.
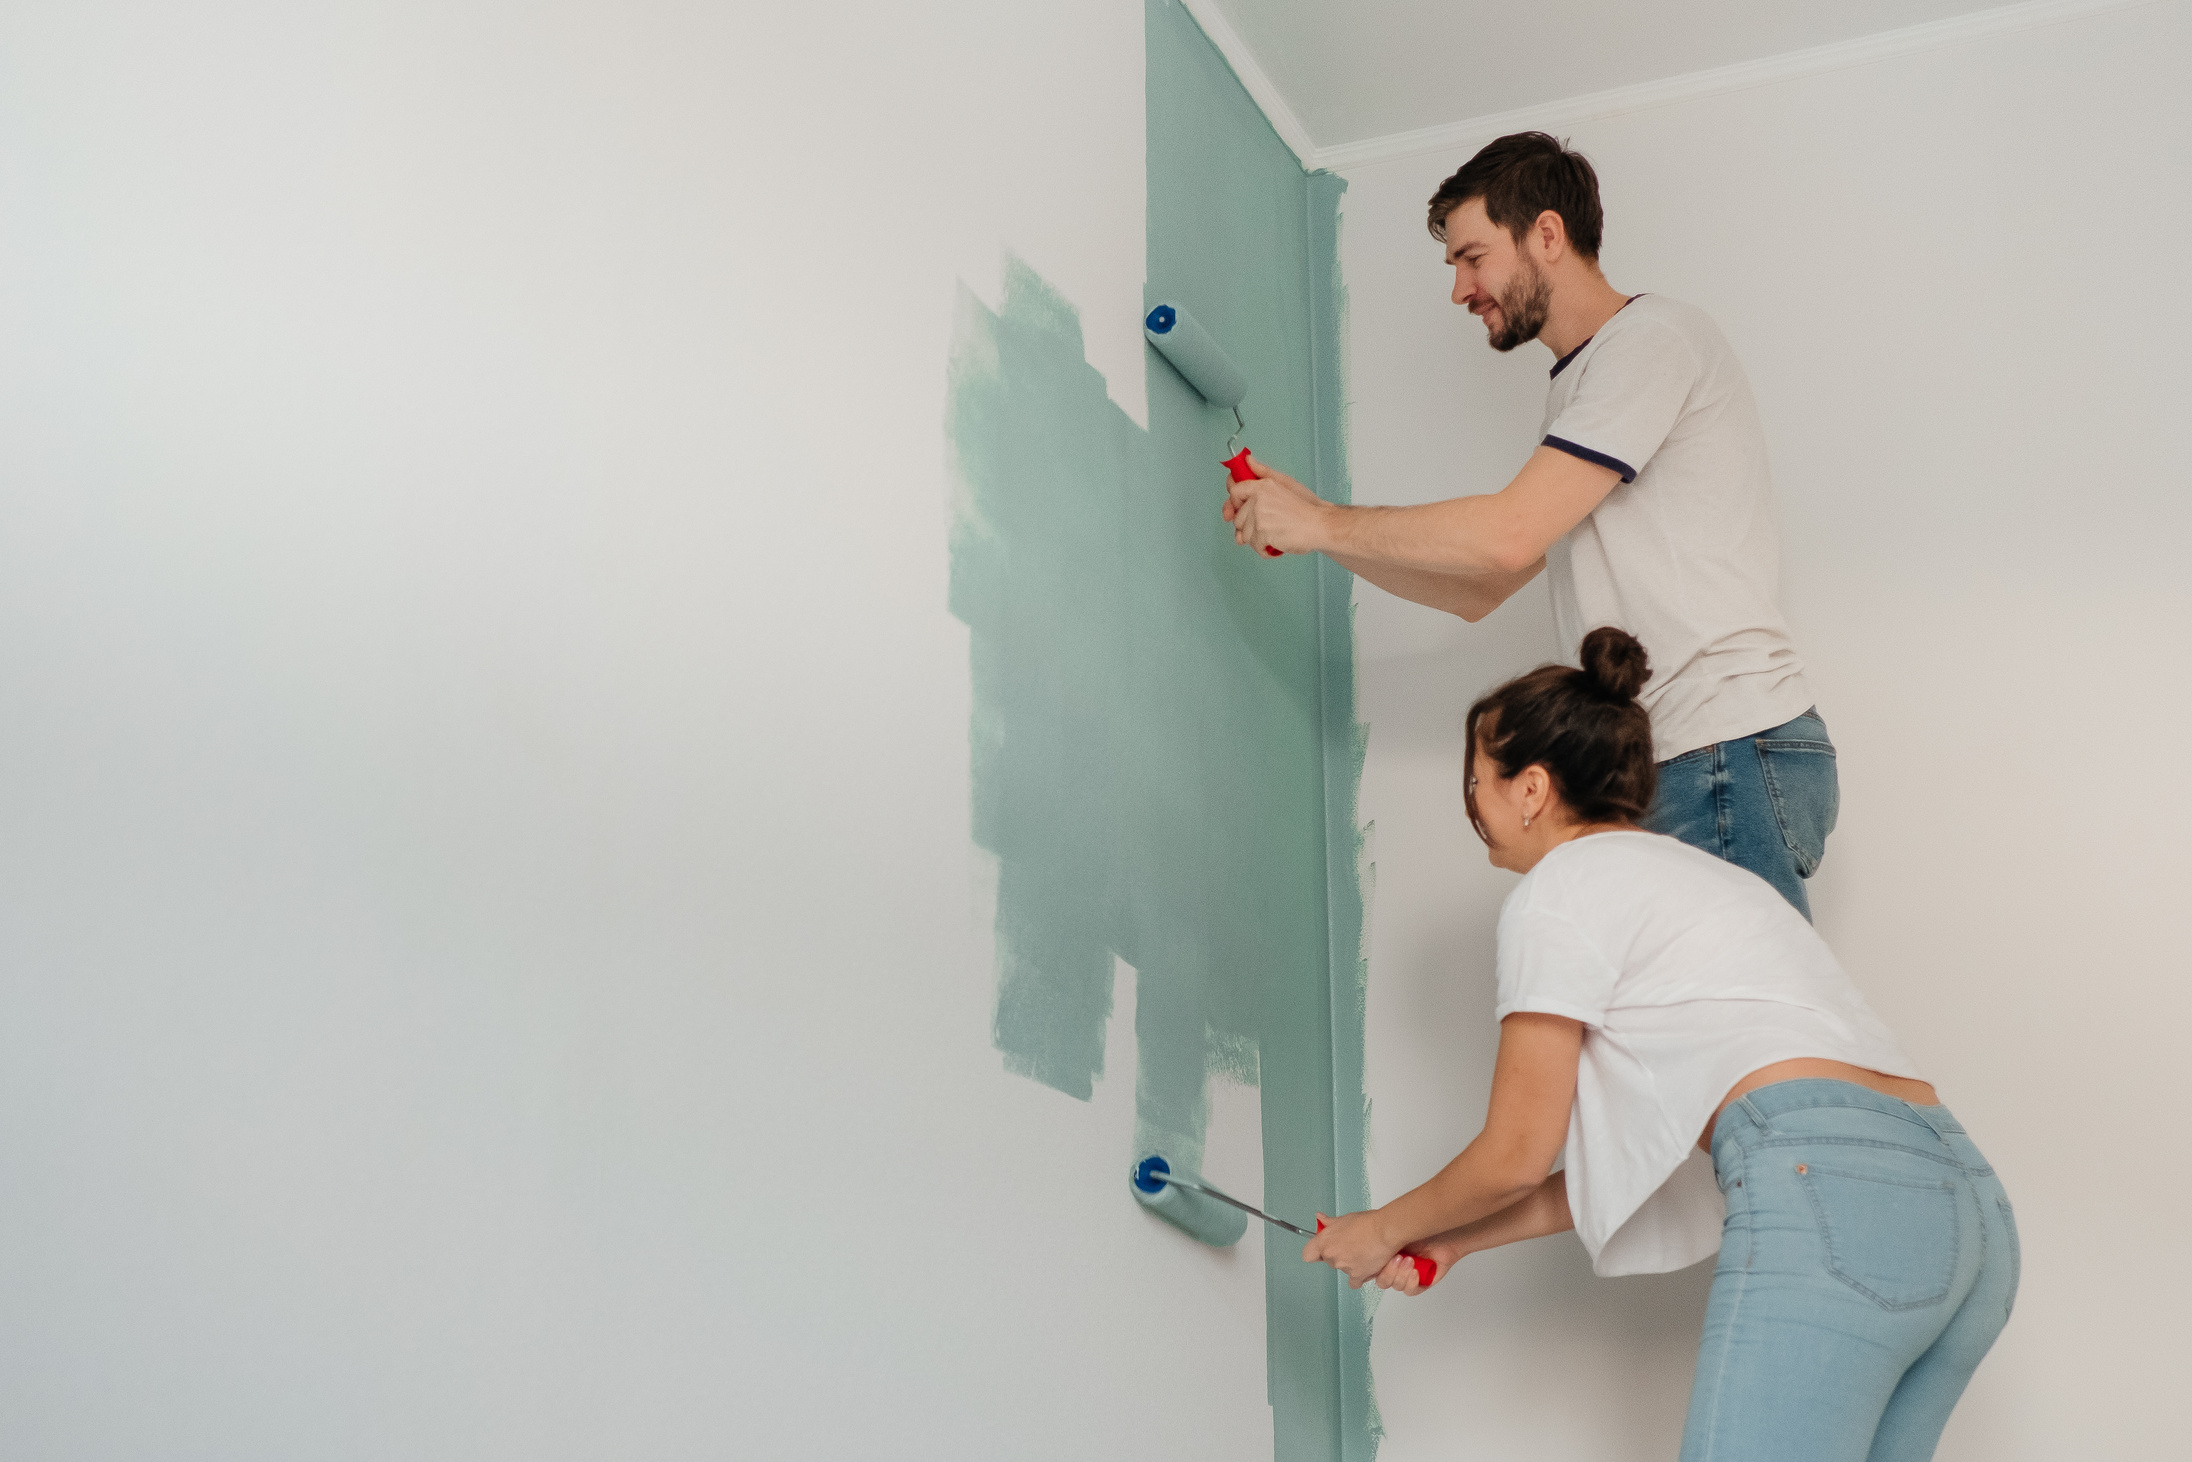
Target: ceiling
(1351, 70)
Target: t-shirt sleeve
(1548, 966)
(1631, 393)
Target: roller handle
(1238, 466)
(1425, 1269)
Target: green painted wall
(1165, 753)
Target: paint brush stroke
(1046, 461)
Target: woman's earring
(1525, 819)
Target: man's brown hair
(1519, 177)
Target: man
(1648, 500)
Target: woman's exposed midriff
(1902, 1088)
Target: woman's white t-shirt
(1688, 974)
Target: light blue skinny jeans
(1765, 802)
(1868, 1260)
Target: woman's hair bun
(1585, 727)
(1615, 661)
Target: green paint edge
(1346, 741)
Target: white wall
(1954, 280)
(1355, 72)
(491, 961)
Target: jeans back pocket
(1893, 1240)
(1806, 791)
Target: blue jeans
(1763, 802)
(1868, 1260)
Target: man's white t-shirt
(1688, 974)
(1682, 553)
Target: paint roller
(1208, 369)
(1217, 1219)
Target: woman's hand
(1400, 1270)
(1352, 1244)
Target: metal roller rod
(1292, 1228)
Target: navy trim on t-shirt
(1562, 364)
(1561, 444)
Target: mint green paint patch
(1148, 776)
(1164, 745)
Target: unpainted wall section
(1968, 392)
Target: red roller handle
(1425, 1269)
(1237, 465)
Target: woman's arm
(1543, 1211)
(1533, 1088)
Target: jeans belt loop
(1926, 1116)
(1751, 1109)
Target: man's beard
(1522, 308)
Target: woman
(1652, 997)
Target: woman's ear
(1533, 791)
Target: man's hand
(1272, 510)
(1352, 1244)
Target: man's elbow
(1469, 600)
(1477, 596)
(1510, 555)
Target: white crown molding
(1455, 137)
(1254, 78)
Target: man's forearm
(1543, 1210)
(1468, 536)
(1490, 535)
(1471, 596)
